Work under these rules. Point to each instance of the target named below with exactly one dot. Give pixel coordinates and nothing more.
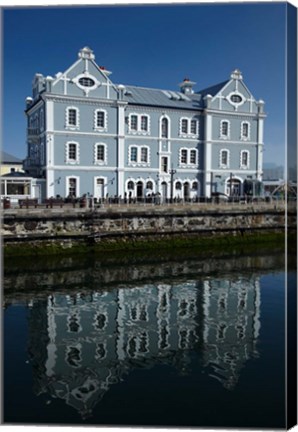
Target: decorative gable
(85, 78)
(234, 96)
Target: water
(159, 341)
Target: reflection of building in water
(82, 344)
(231, 326)
(89, 342)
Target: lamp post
(231, 179)
(172, 172)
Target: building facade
(87, 135)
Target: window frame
(69, 125)
(221, 164)
(242, 165)
(222, 134)
(103, 128)
(138, 129)
(67, 185)
(243, 136)
(164, 127)
(188, 152)
(103, 161)
(186, 132)
(139, 154)
(69, 160)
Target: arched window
(183, 156)
(144, 154)
(224, 158)
(194, 185)
(224, 129)
(164, 127)
(72, 187)
(178, 185)
(100, 119)
(184, 126)
(133, 154)
(130, 185)
(245, 130)
(72, 152)
(72, 117)
(193, 157)
(134, 122)
(149, 185)
(144, 123)
(100, 154)
(244, 159)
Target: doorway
(140, 191)
(233, 187)
(186, 191)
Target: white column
(260, 148)
(50, 191)
(50, 115)
(208, 154)
(121, 147)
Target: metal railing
(157, 202)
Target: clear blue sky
(151, 46)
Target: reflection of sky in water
(83, 343)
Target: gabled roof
(162, 98)
(9, 159)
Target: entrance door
(186, 190)
(99, 188)
(164, 191)
(36, 192)
(234, 189)
(140, 193)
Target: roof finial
(236, 74)
(86, 53)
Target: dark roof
(162, 98)
(168, 98)
(9, 159)
(17, 174)
(213, 90)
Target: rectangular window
(72, 152)
(164, 164)
(184, 124)
(193, 127)
(100, 153)
(72, 117)
(144, 154)
(100, 119)
(134, 122)
(184, 156)
(193, 157)
(144, 123)
(133, 154)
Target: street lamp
(172, 172)
(231, 179)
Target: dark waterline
(157, 341)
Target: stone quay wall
(110, 223)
